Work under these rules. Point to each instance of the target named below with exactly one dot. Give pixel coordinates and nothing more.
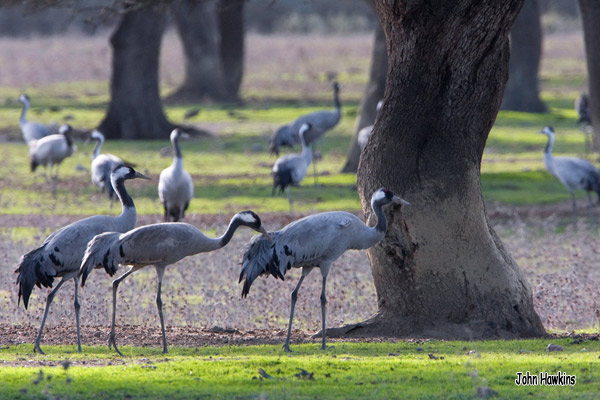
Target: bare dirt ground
(202, 300)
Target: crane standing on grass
(61, 253)
(314, 241)
(574, 173)
(51, 151)
(159, 245)
(290, 170)
(175, 186)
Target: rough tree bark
(231, 28)
(197, 27)
(441, 270)
(135, 110)
(590, 15)
(373, 93)
(522, 91)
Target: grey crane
(102, 166)
(159, 245)
(175, 186)
(365, 133)
(321, 122)
(291, 168)
(33, 130)
(574, 173)
(52, 150)
(582, 107)
(61, 253)
(313, 241)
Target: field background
(286, 76)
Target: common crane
(33, 130)
(102, 166)
(321, 122)
(159, 245)
(52, 150)
(574, 173)
(365, 133)
(582, 107)
(313, 241)
(175, 186)
(291, 168)
(61, 253)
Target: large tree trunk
(441, 271)
(197, 26)
(590, 15)
(522, 92)
(231, 27)
(373, 94)
(135, 110)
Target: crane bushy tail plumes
(98, 254)
(259, 258)
(32, 272)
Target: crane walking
(574, 173)
(314, 241)
(175, 186)
(61, 253)
(159, 245)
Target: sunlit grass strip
(349, 370)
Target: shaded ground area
(560, 261)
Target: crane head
(252, 220)
(124, 172)
(385, 196)
(24, 99)
(547, 130)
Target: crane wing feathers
(33, 270)
(99, 253)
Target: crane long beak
(398, 200)
(265, 234)
(142, 176)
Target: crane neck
(23, 119)
(306, 150)
(233, 225)
(549, 145)
(176, 149)
(381, 226)
(126, 201)
(336, 100)
(97, 148)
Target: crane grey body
(159, 245)
(33, 130)
(102, 166)
(290, 170)
(365, 133)
(61, 253)
(574, 173)
(314, 241)
(52, 150)
(175, 186)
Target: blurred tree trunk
(522, 91)
(373, 94)
(135, 110)
(441, 270)
(231, 28)
(590, 15)
(197, 27)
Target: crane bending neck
(97, 148)
(126, 200)
(233, 225)
(381, 226)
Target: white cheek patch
(120, 172)
(379, 195)
(246, 217)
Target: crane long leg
(160, 271)
(574, 206)
(314, 163)
(77, 307)
(111, 337)
(323, 309)
(589, 195)
(36, 346)
(290, 200)
(305, 271)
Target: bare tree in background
(212, 33)
(441, 270)
(522, 90)
(373, 94)
(590, 15)
(135, 110)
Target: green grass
(349, 370)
